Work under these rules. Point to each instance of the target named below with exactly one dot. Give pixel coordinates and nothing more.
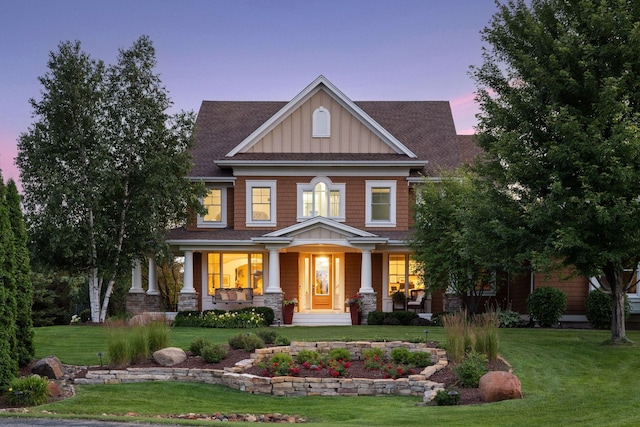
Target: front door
(321, 282)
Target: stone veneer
(414, 385)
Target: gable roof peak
(322, 83)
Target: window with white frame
(214, 203)
(321, 197)
(380, 204)
(261, 203)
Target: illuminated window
(261, 203)
(215, 205)
(321, 197)
(234, 270)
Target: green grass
(568, 378)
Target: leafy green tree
(24, 289)
(456, 241)
(104, 167)
(559, 94)
(8, 343)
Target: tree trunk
(94, 296)
(618, 292)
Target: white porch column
(188, 274)
(365, 272)
(273, 285)
(153, 284)
(136, 278)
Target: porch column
(136, 278)
(188, 288)
(273, 285)
(153, 284)
(365, 272)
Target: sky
(263, 50)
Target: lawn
(568, 378)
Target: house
(311, 199)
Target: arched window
(321, 123)
(321, 197)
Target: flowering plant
(355, 300)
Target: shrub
(375, 318)
(448, 397)
(281, 341)
(266, 313)
(198, 344)
(268, 335)
(233, 319)
(400, 355)
(546, 305)
(509, 319)
(188, 318)
(469, 371)
(280, 364)
(420, 359)
(85, 315)
(339, 354)
(157, 335)
(598, 309)
(247, 342)
(374, 358)
(401, 317)
(214, 353)
(310, 357)
(27, 391)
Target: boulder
(49, 367)
(169, 356)
(499, 385)
(53, 389)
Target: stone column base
(188, 302)
(135, 302)
(154, 303)
(274, 301)
(368, 305)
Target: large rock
(499, 385)
(169, 356)
(49, 367)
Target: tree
(457, 243)
(8, 343)
(24, 289)
(559, 95)
(104, 168)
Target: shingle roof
(425, 127)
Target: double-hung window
(214, 203)
(261, 203)
(380, 203)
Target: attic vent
(321, 123)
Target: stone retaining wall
(414, 385)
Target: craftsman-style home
(310, 200)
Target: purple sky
(252, 50)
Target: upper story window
(321, 197)
(215, 205)
(321, 123)
(380, 204)
(261, 203)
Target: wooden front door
(321, 282)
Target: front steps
(321, 319)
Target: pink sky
(253, 50)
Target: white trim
(322, 83)
(314, 168)
(347, 230)
(271, 184)
(223, 211)
(370, 185)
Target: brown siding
(576, 288)
(437, 302)
(352, 273)
(376, 278)
(197, 276)
(289, 274)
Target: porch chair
(417, 300)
